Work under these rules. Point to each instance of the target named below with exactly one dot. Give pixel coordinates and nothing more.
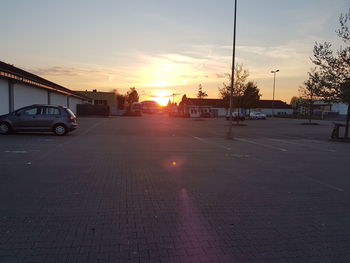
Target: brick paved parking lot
(155, 189)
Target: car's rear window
(50, 111)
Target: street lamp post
(274, 87)
(229, 134)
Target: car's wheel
(60, 129)
(4, 128)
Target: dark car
(39, 118)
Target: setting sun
(161, 96)
(161, 100)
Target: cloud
(279, 52)
(185, 69)
(220, 76)
(62, 71)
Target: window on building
(101, 102)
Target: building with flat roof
(102, 98)
(195, 107)
(277, 106)
(19, 88)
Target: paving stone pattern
(157, 189)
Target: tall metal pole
(273, 94)
(230, 134)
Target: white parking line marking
(20, 152)
(261, 144)
(238, 155)
(324, 184)
(301, 144)
(211, 143)
(287, 142)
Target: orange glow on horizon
(161, 96)
(162, 101)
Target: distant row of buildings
(19, 88)
(321, 108)
(195, 107)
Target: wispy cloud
(184, 69)
(62, 71)
(279, 52)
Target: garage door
(4, 96)
(58, 99)
(25, 95)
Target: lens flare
(173, 163)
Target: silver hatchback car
(39, 118)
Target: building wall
(58, 99)
(4, 96)
(222, 112)
(25, 95)
(97, 97)
(196, 111)
(341, 108)
(277, 111)
(73, 102)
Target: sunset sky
(166, 46)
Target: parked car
(41, 118)
(257, 116)
(236, 116)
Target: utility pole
(230, 134)
(273, 94)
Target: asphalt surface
(159, 189)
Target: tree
(310, 92)
(183, 103)
(201, 94)
(132, 96)
(121, 101)
(332, 72)
(295, 102)
(241, 76)
(251, 95)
